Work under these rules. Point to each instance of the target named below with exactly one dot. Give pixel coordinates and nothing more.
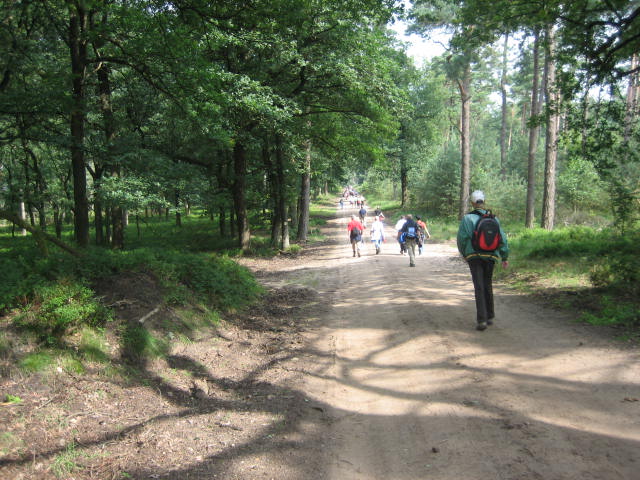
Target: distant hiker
(398, 227)
(481, 246)
(341, 203)
(378, 213)
(363, 215)
(355, 230)
(409, 234)
(377, 234)
(423, 233)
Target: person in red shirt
(355, 229)
(424, 233)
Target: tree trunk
(305, 196)
(282, 228)
(78, 51)
(222, 215)
(273, 180)
(631, 104)
(534, 130)
(41, 237)
(176, 204)
(465, 144)
(504, 116)
(239, 195)
(551, 145)
(22, 216)
(110, 132)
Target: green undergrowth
(53, 305)
(595, 271)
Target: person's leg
(477, 268)
(353, 246)
(488, 290)
(411, 248)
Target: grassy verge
(594, 272)
(52, 317)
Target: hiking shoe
(481, 326)
(354, 254)
(412, 264)
(490, 321)
(358, 252)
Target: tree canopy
(111, 108)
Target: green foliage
(619, 270)
(439, 183)
(604, 259)
(36, 362)
(138, 343)
(93, 345)
(572, 242)
(614, 312)
(57, 307)
(8, 398)
(216, 280)
(64, 464)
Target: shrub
(59, 306)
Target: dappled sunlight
(400, 355)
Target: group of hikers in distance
(349, 194)
(480, 240)
(409, 233)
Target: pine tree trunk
(533, 135)
(631, 104)
(282, 208)
(305, 196)
(239, 195)
(465, 144)
(551, 145)
(504, 116)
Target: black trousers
(482, 276)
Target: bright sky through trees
(419, 48)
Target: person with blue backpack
(409, 237)
(481, 242)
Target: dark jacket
(465, 234)
(405, 228)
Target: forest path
(411, 390)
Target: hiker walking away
(398, 227)
(378, 213)
(355, 230)
(423, 233)
(363, 215)
(409, 233)
(377, 234)
(482, 242)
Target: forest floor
(351, 368)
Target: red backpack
(486, 235)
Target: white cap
(476, 196)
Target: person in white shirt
(377, 234)
(399, 224)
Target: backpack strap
(488, 213)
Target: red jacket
(353, 224)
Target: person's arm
(463, 239)
(503, 248)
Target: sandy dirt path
(411, 390)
